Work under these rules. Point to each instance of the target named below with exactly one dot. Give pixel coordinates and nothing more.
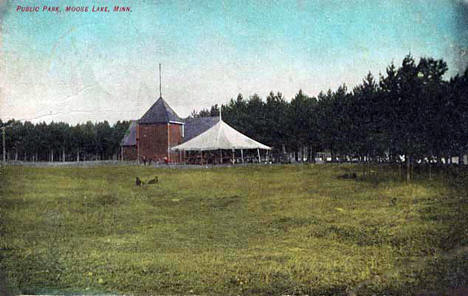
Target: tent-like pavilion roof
(196, 126)
(220, 136)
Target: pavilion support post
(242, 155)
(221, 155)
(258, 153)
(232, 156)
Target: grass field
(244, 230)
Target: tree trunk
(52, 155)
(78, 155)
(312, 154)
(430, 170)
(63, 154)
(412, 169)
(408, 168)
(367, 164)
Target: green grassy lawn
(243, 230)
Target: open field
(243, 230)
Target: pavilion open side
(219, 144)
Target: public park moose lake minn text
(72, 9)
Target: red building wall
(129, 153)
(153, 141)
(175, 138)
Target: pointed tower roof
(160, 112)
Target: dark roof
(196, 126)
(130, 135)
(193, 127)
(160, 112)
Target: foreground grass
(244, 230)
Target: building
(218, 145)
(157, 131)
(128, 148)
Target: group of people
(147, 161)
(214, 157)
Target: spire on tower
(160, 92)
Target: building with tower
(152, 136)
(159, 134)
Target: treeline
(410, 114)
(25, 141)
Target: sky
(80, 66)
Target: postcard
(170, 147)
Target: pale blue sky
(88, 66)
